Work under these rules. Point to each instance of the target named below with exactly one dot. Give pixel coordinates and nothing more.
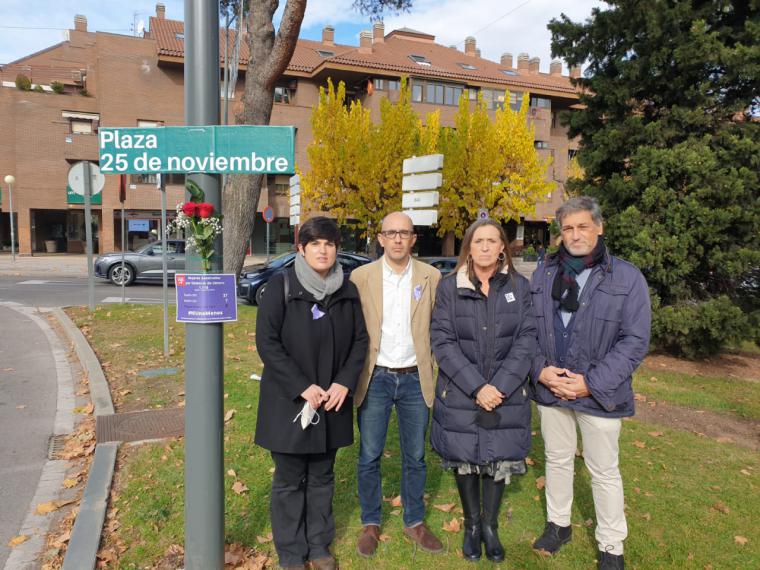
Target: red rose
(205, 210)
(189, 209)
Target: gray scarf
(313, 281)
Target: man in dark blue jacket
(594, 316)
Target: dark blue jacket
(609, 340)
(478, 340)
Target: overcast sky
(499, 26)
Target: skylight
(508, 72)
(325, 53)
(179, 35)
(420, 59)
(468, 66)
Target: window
(540, 102)
(541, 145)
(80, 127)
(379, 84)
(571, 152)
(325, 53)
(282, 95)
(439, 93)
(175, 179)
(420, 60)
(281, 189)
(473, 93)
(417, 93)
(467, 66)
(81, 123)
(394, 85)
(144, 179)
(179, 36)
(508, 71)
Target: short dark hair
(319, 227)
(580, 204)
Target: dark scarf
(565, 287)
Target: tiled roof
(388, 57)
(169, 36)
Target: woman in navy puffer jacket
(483, 335)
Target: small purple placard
(206, 297)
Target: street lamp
(10, 180)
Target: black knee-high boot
(469, 494)
(492, 494)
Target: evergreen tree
(670, 145)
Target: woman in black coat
(311, 336)
(483, 335)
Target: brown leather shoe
(426, 540)
(368, 540)
(326, 563)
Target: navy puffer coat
(479, 340)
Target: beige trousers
(600, 452)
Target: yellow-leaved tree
(489, 164)
(356, 166)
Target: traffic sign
(419, 200)
(268, 214)
(76, 178)
(423, 217)
(483, 214)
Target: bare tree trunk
(269, 57)
(448, 244)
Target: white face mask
(307, 415)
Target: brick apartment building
(119, 81)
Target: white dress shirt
(396, 344)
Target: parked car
(253, 279)
(144, 264)
(443, 264)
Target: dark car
(145, 264)
(443, 264)
(253, 279)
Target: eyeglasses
(391, 234)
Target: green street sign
(74, 198)
(229, 149)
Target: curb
(85, 536)
(99, 391)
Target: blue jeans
(386, 389)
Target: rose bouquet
(200, 223)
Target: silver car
(144, 264)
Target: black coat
(299, 350)
(478, 340)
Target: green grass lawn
(686, 497)
(735, 396)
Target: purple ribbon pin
(316, 313)
(417, 292)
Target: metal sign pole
(13, 228)
(88, 234)
(164, 264)
(204, 343)
(267, 242)
(123, 250)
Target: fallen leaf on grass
(541, 482)
(640, 397)
(529, 461)
(384, 537)
(639, 444)
(125, 392)
(741, 540)
(107, 555)
(721, 507)
(646, 517)
(396, 512)
(387, 454)
(745, 472)
(231, 473)
(724, 439)
(446, 507)
(396, 501)
(239, 487)
(50, 506)
(452, 525)
(264, 539)
(16, 540)
(656, 433)
(229, 415)
(589, 522)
